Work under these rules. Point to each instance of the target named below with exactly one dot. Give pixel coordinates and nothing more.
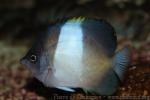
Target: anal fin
(66, 89)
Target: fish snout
(23, 61)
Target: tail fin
(121, 62)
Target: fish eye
(33, 58)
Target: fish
(79, 53)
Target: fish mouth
(23, 61)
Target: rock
(145, 93)
(132, 68)
(123, 89)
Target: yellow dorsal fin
(77, 19)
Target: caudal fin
(121, 62)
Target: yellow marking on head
(77, 19)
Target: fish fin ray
(66, 89)
(121, 62)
